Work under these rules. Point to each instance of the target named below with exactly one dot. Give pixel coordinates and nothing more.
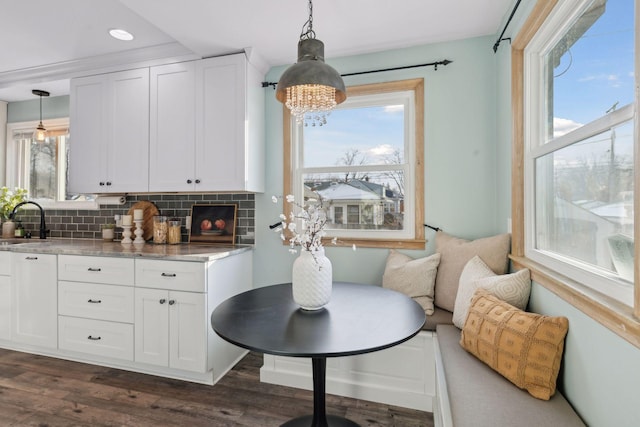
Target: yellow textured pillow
(525, 348)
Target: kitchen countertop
(181, 252)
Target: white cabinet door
(187, 331)
(109, 116)
(35, 316)
(151, 326)
(88, 127)
(172, 128)
(128, 157)
(5, 307)
(171, 329)
(220, 123)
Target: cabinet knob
(171, 302)
(94, 269)
(197, 181)
(108, 182)
(94, 301)
(101, 184)
(162, 301)
(168, 274)
(189, 181)
(31, 258)
(94, 338)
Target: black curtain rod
(444, 62)
(500, 39)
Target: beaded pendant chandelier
(310, 88)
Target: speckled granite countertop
(181, 252)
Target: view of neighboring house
(359, 204)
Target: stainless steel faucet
(43, 225)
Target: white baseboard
(403, 375)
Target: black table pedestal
(319, 417)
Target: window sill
(372, 243)
(611, 313)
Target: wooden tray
(150, 210)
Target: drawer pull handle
(171, 302)
(162, 301)
(95, 301)
(168, 274)
(31, 258)
(94, 338)
(94, 269)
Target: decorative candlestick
(139, 231)
(126, 221)
(126, 234)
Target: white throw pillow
(415, 278)
(511, 288)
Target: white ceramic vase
(312, 280)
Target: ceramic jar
(312, 280)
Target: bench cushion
(481, 397)
(439, 317)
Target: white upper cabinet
(109, 117)
(207, 126)
(172, 128)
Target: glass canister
(160, 228)
(174, 235)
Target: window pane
(372, 201)
(584, 201)
(43, 179)
(357, 136)
(590, 70)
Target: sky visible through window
(375, 132)
(598, 70)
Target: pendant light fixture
(310, 88)
(40, 133)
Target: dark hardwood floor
(47, 392)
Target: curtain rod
(500, 39)
(444, 62)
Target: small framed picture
(213, 224)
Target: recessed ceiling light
(120, 34)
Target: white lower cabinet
(5, 308)
(6, 301)
(171, 329)
(145, 315)
(98, 337)
(35, 311)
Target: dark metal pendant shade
(311, 70)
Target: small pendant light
(310, 88)
(40, 133)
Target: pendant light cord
(308, 33)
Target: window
(365, 165)
(573, 172)
(42, 167)
(579, 162)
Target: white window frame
(412, 236)
(561, 18)
(13, 167)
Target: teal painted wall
(460, 154)
(24, 111)
(600, 373)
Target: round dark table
(358, 319)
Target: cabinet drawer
(171, 275)
(97, 337)
(96, 301)
(115, 271)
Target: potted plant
(8, 201)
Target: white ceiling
(47, 41)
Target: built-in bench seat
(469, 393)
